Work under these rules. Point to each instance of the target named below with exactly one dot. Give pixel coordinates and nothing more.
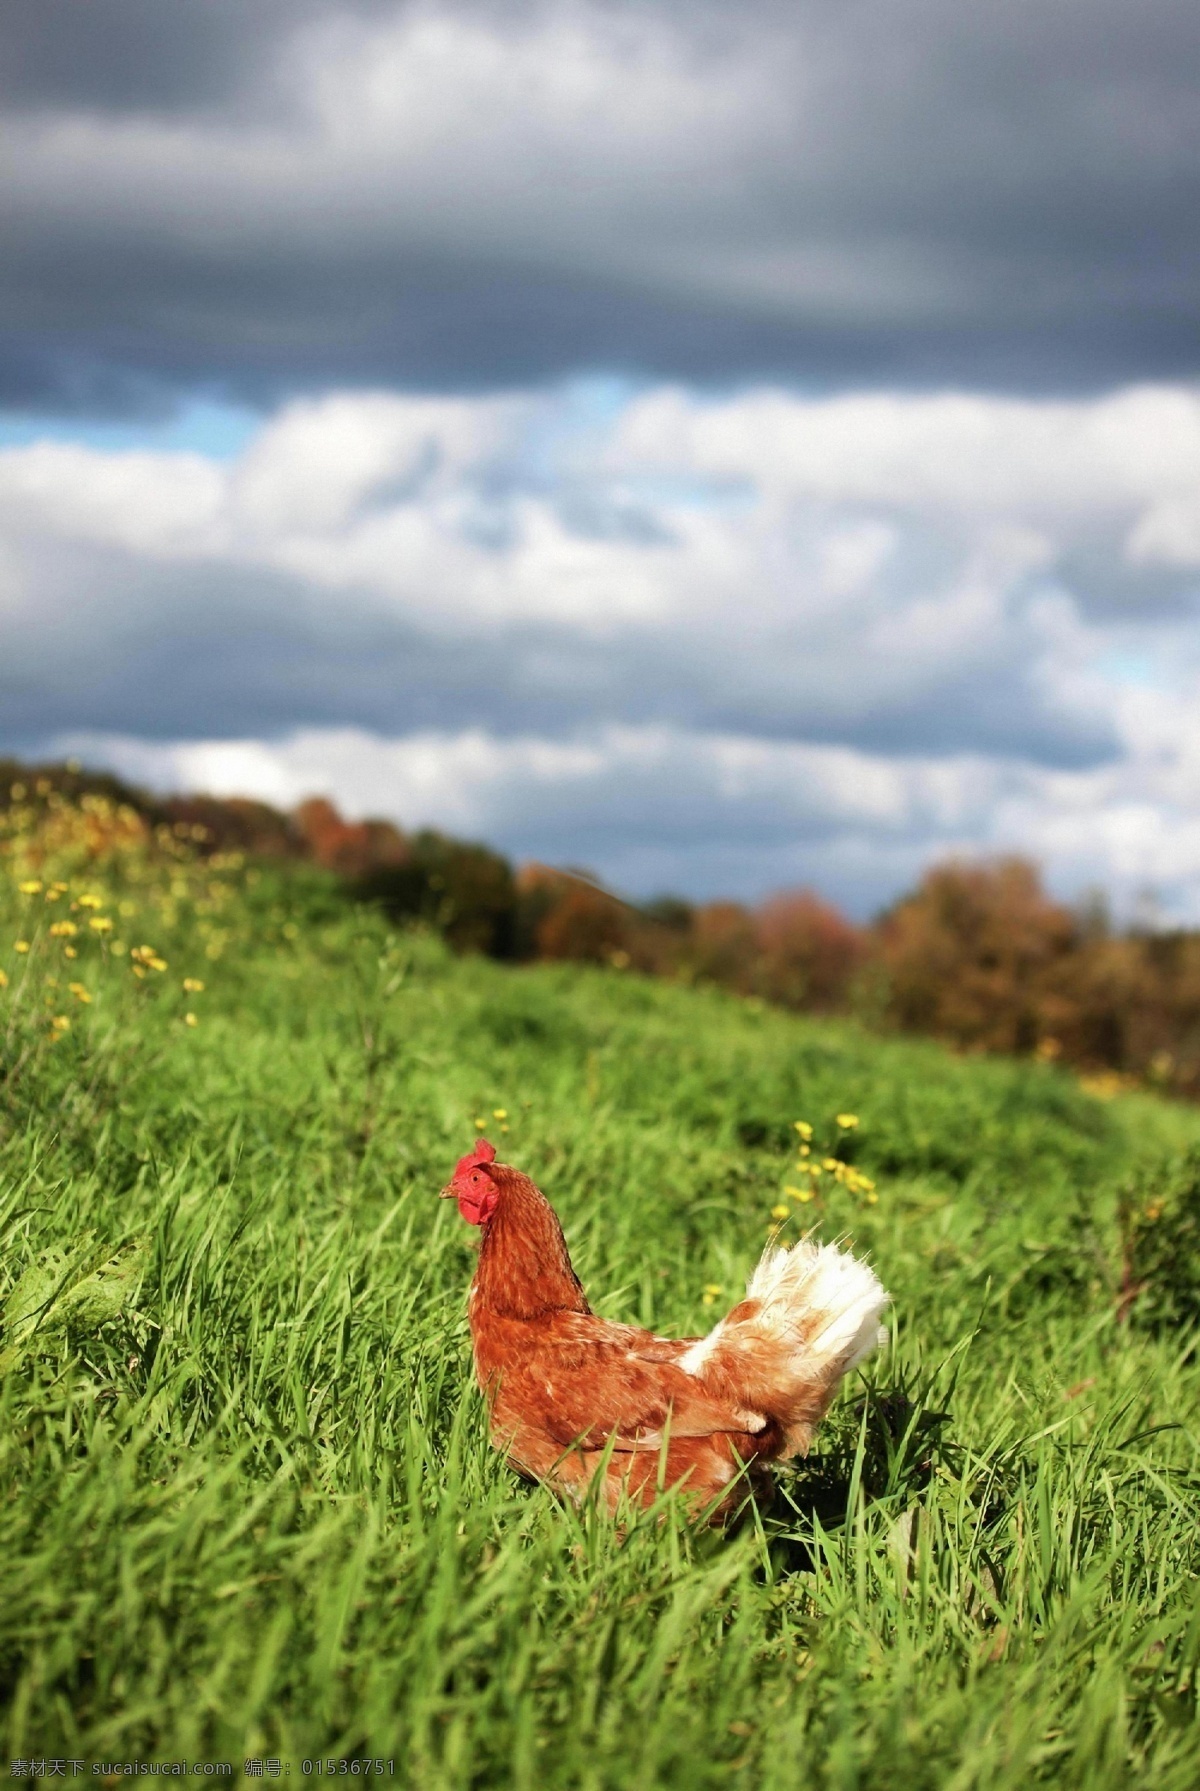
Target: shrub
(971, 956)
(1159, 1218)
(808, 951)
(465, 891)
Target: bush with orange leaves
(976, 955)
(808, 952)
(351, 848)
(980, 955)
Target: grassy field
(247, 1505)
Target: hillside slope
(247, 1505)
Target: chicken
(572, 1396)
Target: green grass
(247, 1504)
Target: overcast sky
(724, 447)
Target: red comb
(483, 1154)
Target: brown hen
(572, 1396)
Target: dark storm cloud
(258, 198)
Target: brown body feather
(571, 1394)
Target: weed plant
(247, 1503)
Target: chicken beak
(448, 1192)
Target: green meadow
(247, 1503)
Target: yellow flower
(60, 1023)
(90, 901)
(712, 1289)
(189, 1020)
(780, 1212)
(100, 923)
(146, 955)
(481, 1125)
(499, 1112)
(31, 886)
(831, 1163)
(79, 992)
(193, 985)
(847, 1121)
(802, 1194)
(22, 945)
(802, 1126)
(872, 1198)
(63, 929)
(70, 952)
(3, 979)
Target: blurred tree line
(978, 954)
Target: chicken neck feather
(524, 1269)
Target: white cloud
(657, 808)
(758, 638)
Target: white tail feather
(812, 1313)
(812, 1281)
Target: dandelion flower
(100, 923)
(79, 992)
(70, 952)
(190, 1020)
(193, 985)
(499, 1112)
(481, 1125)
(63, 929)
(3, 979)
(802, 1126)
(22, 945)
(31, 886)
(59, 1024)
(847, 1121)
(145, 955)
(781, 1211)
